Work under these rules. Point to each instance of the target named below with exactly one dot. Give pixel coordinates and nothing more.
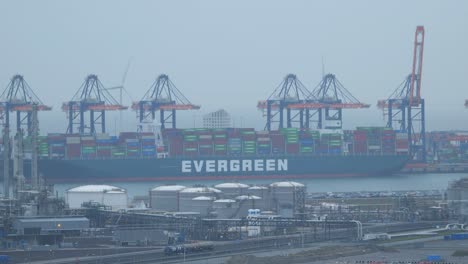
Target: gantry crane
(91, 97)
(19, 97)
(290, 91)
(405, 109)
(163, 96)
(326, 102)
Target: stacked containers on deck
(88, 147)
(190, 147)
(186, 196)
(234, 143)
(165, 198)
(263, 143)
(278, 144)
(174, 140)
(148, 147)
(249, 146)
(374, 139)
(360, 142)
(402, 146)
(205, 142)
(133, 147)
(388, 141)
(73, 150)
(220, 142)
(43, 146)
(331, 143)
(56, 145)
(104, 145)
(232, 190)
(292, 140)
(308, 140)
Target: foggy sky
(230, 54)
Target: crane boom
(416, 74)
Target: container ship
(212, 154)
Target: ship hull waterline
(216, 168)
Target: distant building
(218, 119)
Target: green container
(190, 149)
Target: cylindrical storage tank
(287, 198)
(186, 195)
(260, 191)
(165, 198)
(231, 190)
(225, 208)
(202, 205)
(247, 202)
(107, 195)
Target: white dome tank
(108, 195)
(231, 190)
(165, 198)
(186, 195)
(200, 204)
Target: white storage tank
(231, 190)
(287, 198)
(202, 205)
(165, 198)
(108, 195)
(186, 195)
(247, 202)
(225, 208)
(260, 191)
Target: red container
(73, 151)
(104, 153)
(292, 148)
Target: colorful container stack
(278, 144)
(205, 143)
(388, 141)
(333, 143)
(73, 149)
(220, 142)
(263, 143)
(56, 145)
(249, 144)
(148, 147)
(43, 146)
(360, 142)
(133, 147)
(402, 146)
(292, 140)
(104, 145)
(88, 147)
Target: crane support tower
(324, 106)
(290, 91)
(91, 97)
(405, 109)
(19, 97)
(163, 97)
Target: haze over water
(399, 182)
